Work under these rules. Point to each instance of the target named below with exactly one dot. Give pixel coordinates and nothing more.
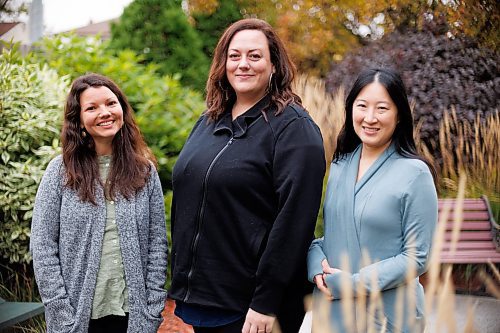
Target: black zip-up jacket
(246, 198)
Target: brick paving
(172, 323)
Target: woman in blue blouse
(380, 200)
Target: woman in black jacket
(247, 188)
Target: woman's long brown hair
(131, 160)
(220, 94)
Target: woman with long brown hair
(247, 188)
(98, 234)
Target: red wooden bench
(479, 240)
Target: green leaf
(5, 157)
(14, 235)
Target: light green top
(111, 294)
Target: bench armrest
(495, 228)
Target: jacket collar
(239, 126)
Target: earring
(270, 82)
(83, 135)
(225, 91)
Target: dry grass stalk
(411, 273)
(361, 301)
(326, 110)
(434, 264)
(375, 307)
(494, 269)
(469, 148)
(446, 303)
(321, 316)
(490, 284)
(469, 323)
(398, 323)
(458, 211)
(347, 300)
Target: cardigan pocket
(155, 302)
(59, 316)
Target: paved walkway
(486, 316)
(171, 323)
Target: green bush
(159, 30)
(210, 26)
(165, 110)
(31, 99)
(165, 116)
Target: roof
(103, 28)
(6, 27)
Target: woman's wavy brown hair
(220, 94)
(131, 160)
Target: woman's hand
(256, 322)
(321, 284)
(327, 269)
(320, 279)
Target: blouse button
(115, 261)
(107, 164)
(112, 202)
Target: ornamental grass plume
(325, 109)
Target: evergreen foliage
(160, 31)
(210, 26)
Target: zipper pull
(230, 141)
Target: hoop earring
(224, 91)
(269, 86)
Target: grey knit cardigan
(66, 243)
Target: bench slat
(470, 245)
(12, 313)
(468, 204)
(471, 216)
(471, 236)
(472, 257)
(478, 225)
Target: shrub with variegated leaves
(31, 100)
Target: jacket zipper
(200, 216)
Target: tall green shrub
(165, 109)
(31, 99)
(160, 31)
(210, 26)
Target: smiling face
(374, 117)
(248, 64)
(102, 116)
